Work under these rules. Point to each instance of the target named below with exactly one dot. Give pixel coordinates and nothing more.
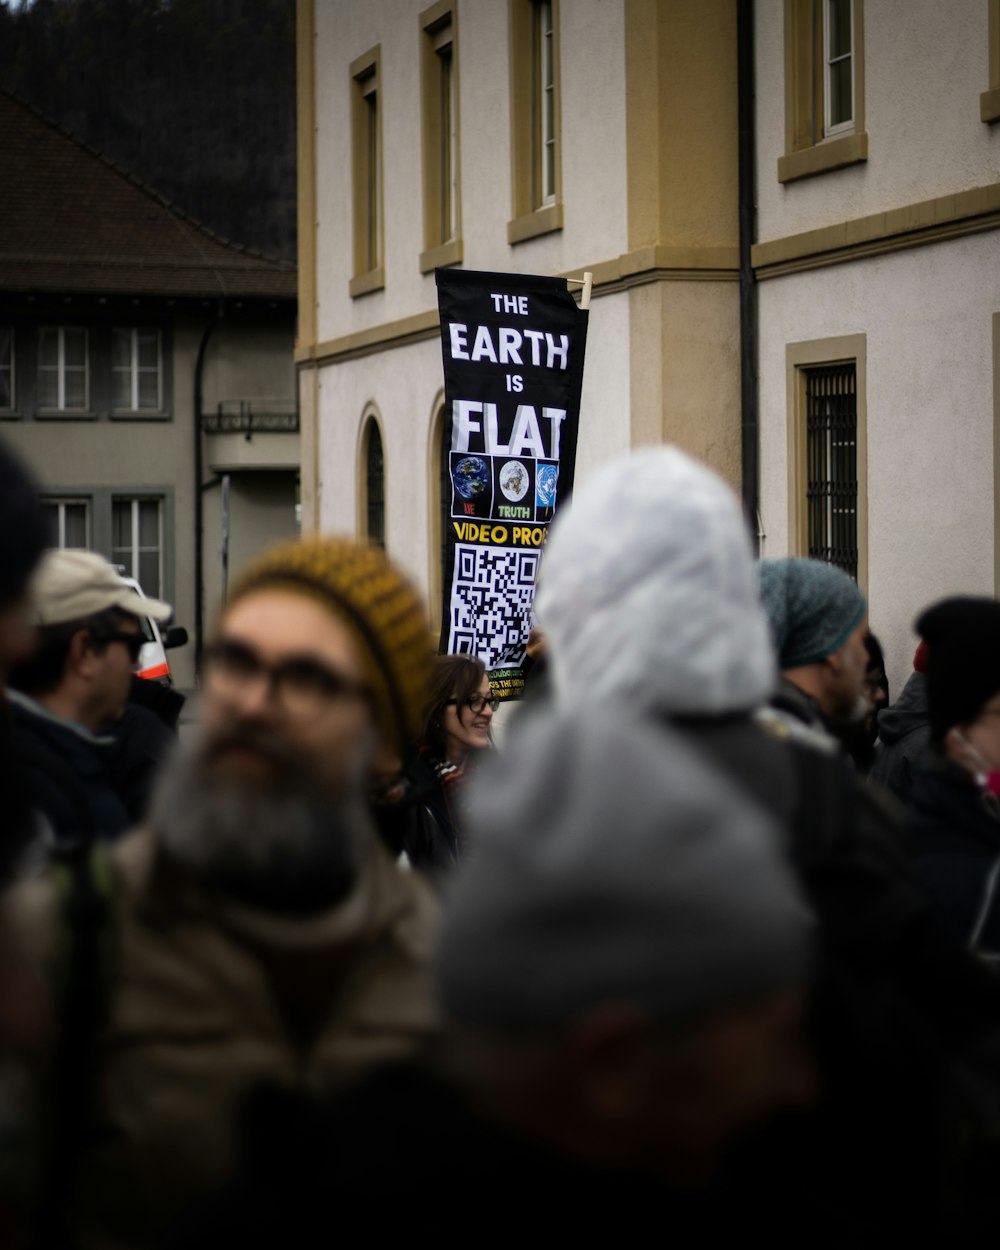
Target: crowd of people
(705, 946)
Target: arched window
(374, 485)
(439, 495)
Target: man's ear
(834, 661)
(82, 653)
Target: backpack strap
(84, 900)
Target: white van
(153, 662)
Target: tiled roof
(72, 222)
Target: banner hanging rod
(587, 282)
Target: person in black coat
(955, 798)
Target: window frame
(440, 136)
(989, 101)
(800, 358)
(61, 411)
(61, 502)
(367, 173)
(136, 549)
(536, 208)
(135, 409)
(811, 145)
(371, 427)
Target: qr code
(491, 594)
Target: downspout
(749, 437)
(199, 510)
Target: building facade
(519, 137)
(878, 263)
(146, 373)
(547, 137)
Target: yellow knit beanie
(381, 607)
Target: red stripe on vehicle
(158, 670)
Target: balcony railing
(240, 416)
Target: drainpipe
(748, 283)
(199, 510)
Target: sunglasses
(131, 640)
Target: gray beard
(281, 842)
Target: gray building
(146, 372)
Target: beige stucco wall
(926, 63)
(593, 150)
(685, 370)
(927, 315)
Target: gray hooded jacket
(648, 592)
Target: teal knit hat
(813, 608)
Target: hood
(909, 712)
(648, 592)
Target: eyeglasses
(477, 703)
(303, 686)
(132, 639)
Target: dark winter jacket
(955, 847)
(896, 1001)
(904, 737)
(433, 840)
(66, 767)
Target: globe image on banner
(546, 477)
(471, 477)
(514, 480)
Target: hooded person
(618, 1011)
(649, 598)
(954, 802)
(261, 934)
(904, 732)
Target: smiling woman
(457, 728)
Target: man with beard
(257, 933)
(819, 622)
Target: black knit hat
(963, 659)
(22, 528)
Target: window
(366, 157)
(6, 368)
(989, 101)
(137, 540)
(535, 118)
(374, 485)
(439, 90)
(824, 87)
(543, 87)
(135, 370)
(62, 369)
(827, 452)
(68, 522)
(832, 465)
(439, 507)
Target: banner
(513, 369)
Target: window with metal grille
(375, 486)
(832, 465)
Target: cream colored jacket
(207, 1000)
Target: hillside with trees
(194, 97)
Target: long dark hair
(455, 677)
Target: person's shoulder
(407, 901)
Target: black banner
(513, 369)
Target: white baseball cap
(71, 584)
